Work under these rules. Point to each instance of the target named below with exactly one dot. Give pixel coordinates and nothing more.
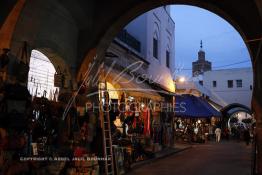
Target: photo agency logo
(137, 107)
(131, 78)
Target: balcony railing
(122, 63)
(128, 39)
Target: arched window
(155, 45)
(156, 38)
(168, 56)
(41, 76)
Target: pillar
(6, 31)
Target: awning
(124, 82)
(191, 106)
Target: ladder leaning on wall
(105, 122)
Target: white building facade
(155, 30)
(229, 86)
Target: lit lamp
(181, 80)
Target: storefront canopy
(191, 106)
(123, 82)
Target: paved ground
(225, 158)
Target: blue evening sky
(221, 42)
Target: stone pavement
(162, 154)
(225, 158)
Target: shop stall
(131, 114)
(141, 126)
(195, 119)
(36, 137)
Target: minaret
(201, 53)
(201, 65)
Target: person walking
(226, 133)
(218, 134)
(247, 136)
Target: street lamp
(181, 80)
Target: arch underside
(79, 30)
(230, 109)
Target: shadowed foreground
(227, 158)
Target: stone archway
(250, 35)
(96, 30)
(227, 108)
(44, 64)
(57, 61)
(231, 110)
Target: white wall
(137, 28)
(227, 95)
(143, 28)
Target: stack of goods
(119, 159)
(83, 163)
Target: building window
(239, 83)
(230, 83)
(155, 48)
(167, 59)
(201, 82)
(214, 83)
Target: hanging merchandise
(22, 68)
(119, 159)
(14, 105)
(156, 128)
(58, 78)
(146, 117)
(65, 82)
(4, 60)
(50, 95)
(122, 107)
(74, 124)
(122, 110)
(56, 94)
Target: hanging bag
(23, 65)
(65, 82)
(58, 78)
(4, 60)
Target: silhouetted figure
(226, 133)
(247, 136)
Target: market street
(227, 158)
